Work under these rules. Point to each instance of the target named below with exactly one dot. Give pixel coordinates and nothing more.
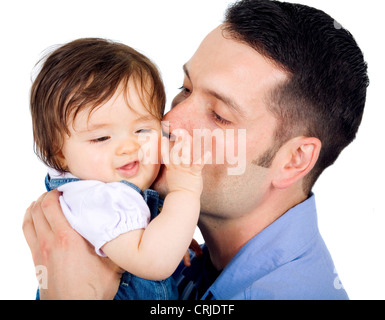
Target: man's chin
(160, 183)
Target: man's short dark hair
(325, 93)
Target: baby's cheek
(93, 166)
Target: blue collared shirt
(287, 260)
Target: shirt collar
(55, 174)
(282, 241)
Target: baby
(96, 108)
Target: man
(297, 85)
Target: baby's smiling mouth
(130, 169)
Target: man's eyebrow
(226, 100)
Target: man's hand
(194, 246)
(74, 270)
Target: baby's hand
(183, 171)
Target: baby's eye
(101, 139)
(143, 131)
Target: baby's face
(115, 142)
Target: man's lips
(130, 169)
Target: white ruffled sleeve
(100, 212)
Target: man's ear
(295, 159)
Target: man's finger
(39, 220)
(53, 212)
(29, 228)
(186, 259)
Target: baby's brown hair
(83, 74)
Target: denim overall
(132, 287)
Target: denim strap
(151, 197)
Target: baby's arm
(154, 253)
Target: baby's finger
(203, 160)
(186, 149)
(165, 152)
(181, 151)
(207, 157)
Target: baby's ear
(62, 161)
(295, 160)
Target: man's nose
(183, 116)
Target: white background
(349, 195)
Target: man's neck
(225, 237)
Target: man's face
(225, 88)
